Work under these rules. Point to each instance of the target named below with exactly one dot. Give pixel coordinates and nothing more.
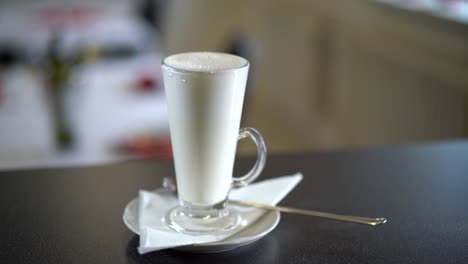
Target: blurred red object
(147, 83)
(58, 17)
(147, 147)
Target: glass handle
(261, 157)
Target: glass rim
(165, 66)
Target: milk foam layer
(205, 61)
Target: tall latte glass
(205, 94)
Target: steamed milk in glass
(205, 93)
(205, 115)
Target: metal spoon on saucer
(169, 184)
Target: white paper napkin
(155, 235)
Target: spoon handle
(169, 184)
(348, 218)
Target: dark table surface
(74, 215)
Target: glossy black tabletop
(74, 215)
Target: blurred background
(80, 81)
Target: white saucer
(252, 233)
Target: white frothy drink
(205, 94)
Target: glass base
(204, 220)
